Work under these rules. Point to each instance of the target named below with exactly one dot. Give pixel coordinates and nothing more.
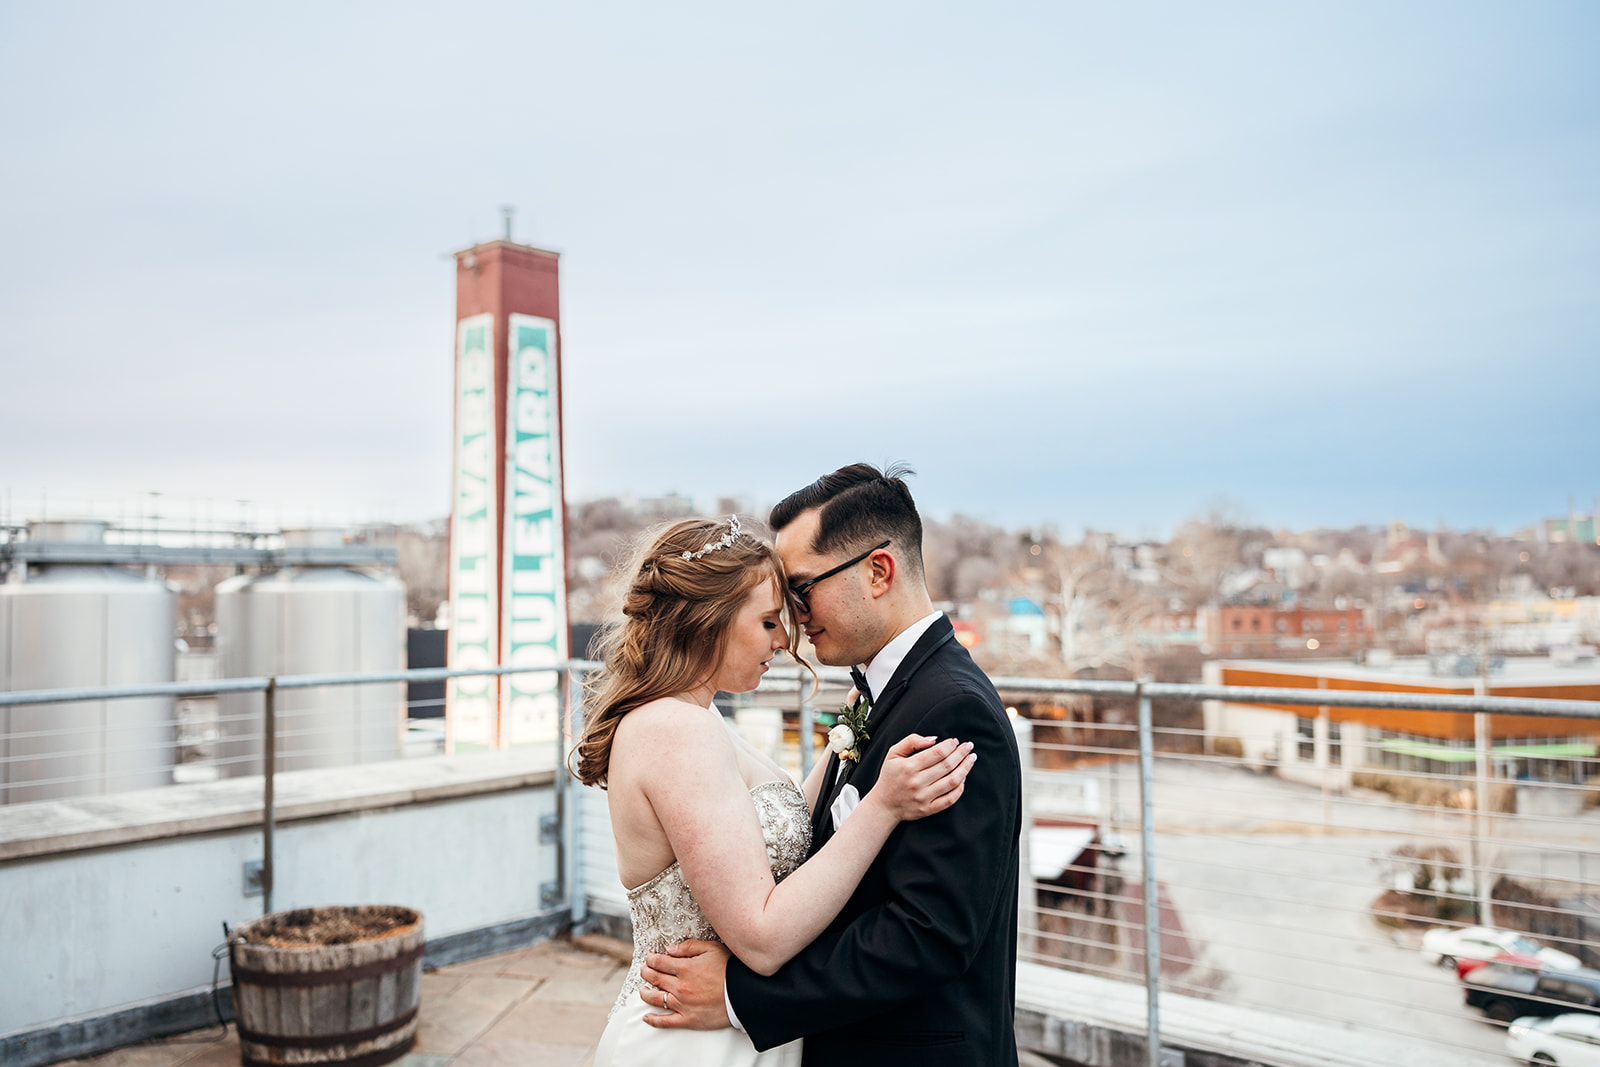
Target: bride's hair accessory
(727, 539)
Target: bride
(710, 833)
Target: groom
(920, 966)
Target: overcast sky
(1099, 265)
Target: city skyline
(1084, 267)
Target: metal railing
(270, 738)
(1216, 902)
(1197, 924)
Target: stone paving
(543, 1005)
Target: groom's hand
(688, 985)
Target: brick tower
(508, 514)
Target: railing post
(808, 746)
(269, 772)
(1147, 853)
(569, 800)
(1027, 896)
(1322, 750)
(1482, 883)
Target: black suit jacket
(920, 966)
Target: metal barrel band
(353, 1037)
(273, 980)
(371, 1059)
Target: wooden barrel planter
(335, 985)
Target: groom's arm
(947, 878)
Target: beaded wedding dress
(664, 912)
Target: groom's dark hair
(859, 507)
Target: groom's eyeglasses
(799, 591)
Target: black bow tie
(860, 681)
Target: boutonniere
(850, 730)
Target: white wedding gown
(664, 912)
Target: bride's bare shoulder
(666, 734)
(670, 722)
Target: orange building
(1328, 744)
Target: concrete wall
(600, 880)
(110, 904)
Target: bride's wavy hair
(679, 605)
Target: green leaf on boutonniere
(850, 731)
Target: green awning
(1448, 754)
(1423, 750)
(1569, 751)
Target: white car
(1444, 945)
(1564, 1040)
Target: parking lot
(1273, 884)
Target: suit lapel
(821, 825)
(929, 643)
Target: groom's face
(839, 622)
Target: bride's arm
(711, 824)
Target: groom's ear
(881, 572)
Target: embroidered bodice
(665, 912)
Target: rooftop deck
(542, 1005)
(1274, 889)
(545, 1005)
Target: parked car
(1445, 945)
(1464, 965)
(1564, 1040)
(1507, 992)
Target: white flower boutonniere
(850, 733)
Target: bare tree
(1098, 611)
(1205, 550)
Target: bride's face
(756, 635)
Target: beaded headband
(727, 539)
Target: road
(1273, 884)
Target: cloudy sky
(1090, 264)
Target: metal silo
(311, 620)
(71, 625)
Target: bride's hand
(920, 777)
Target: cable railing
(1281, 895)
(1202, 872)
(267, 738)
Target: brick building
(1282, 630)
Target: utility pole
(1482, 887)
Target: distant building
(1534, 623)
(1286, 630)
(1140, 561)
(1175, 627)
(1315, 745)
(1404, 550)
(1575, 527)
(665, 508)
(1025, 628)
(1289, 566)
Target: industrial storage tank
(311, 620)
(77, 625)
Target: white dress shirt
(879, 670)
(881, 667)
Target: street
(1273, 885)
